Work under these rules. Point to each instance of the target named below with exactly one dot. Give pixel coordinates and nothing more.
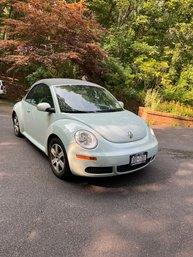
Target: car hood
(116, 127)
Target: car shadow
(150, 178)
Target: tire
(58, 159)
(16, 126)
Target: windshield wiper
(76, 111)
(111, 110)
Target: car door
(28, 104)
(37, 122)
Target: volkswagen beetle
(83, 129)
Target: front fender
(65, 129)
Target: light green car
(83, 129)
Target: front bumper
(112, 159)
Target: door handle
(28, 111)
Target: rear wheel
(58, 159)
(16, 126)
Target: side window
(29, 97)
(39, 94)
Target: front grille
(128, 167)
(99, 170)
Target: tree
(139, 44)
(152, 39)
(52, 34)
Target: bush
(119, 81)
(152, 99)
(155, 103)
(175, 108)
(40, 73)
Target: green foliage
(65, 70)
(40, 73)
(148, 45)
(119, 80)
(183, 91)
(115, 73)
(151, 72)
(175, 108)
(152, 99)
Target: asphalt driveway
(146, 213)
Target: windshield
(84, 99)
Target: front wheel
(58, 159)
(16, 126)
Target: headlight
(86, 139)
(152, 132)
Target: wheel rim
(57, 158)
(16, 125)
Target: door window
(40, 94)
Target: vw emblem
(130, 134)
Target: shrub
(175, 108)
(152, 99)
(155, 103)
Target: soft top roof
(61, 81)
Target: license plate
(138, 158)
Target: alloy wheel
(16, 126)
(57, 158)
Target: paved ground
(147, 213)
(5, 106)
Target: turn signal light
(84, 157)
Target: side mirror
(121, 103)
(45, 107)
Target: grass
(154, 101)
(175, 108)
